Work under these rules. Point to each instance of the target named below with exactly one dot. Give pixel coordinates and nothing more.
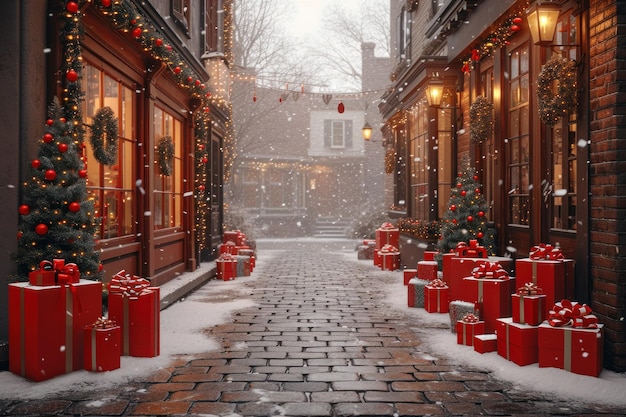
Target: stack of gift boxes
(423, 280)
(236, 258)
(530, 318)
(56, 324)
(386, 252)
(366, 249)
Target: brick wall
(607, 89)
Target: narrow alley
(319, 341)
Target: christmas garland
(165, 148)
(554, 106)
(390, 160)
(481, 119)
(104, 124)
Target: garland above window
(553, 106)
(104, 136)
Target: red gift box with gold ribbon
(54, 272)
(103, 345)
(226, 267)
(46, 326)
(571, 339)
(468, 327)
(387, 234)
(528, 305)
(436, 297)
(389, 258)
(471, 250)
(517, 342)
(135, 306)
(490, 287)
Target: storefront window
(418, 160)
(167, 188)
(518, 141)
(110, 186)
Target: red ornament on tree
(515, 28)
(475, 177)
(205, 160)
(62, 147)
(24, 209)
(137, 32)
(48, 138)
(470, 218)
(459, 185)
(74, 207)
(198, 82)
(479, 235)
(49, 122)
(481, 213)
(475, 55)
(463, 193)
(517, 20)
(454, 221)
(189, 79)
(41, 229)
(62, 119)
(477, 190)
(72, 7)
(36, 163)
(82, 173)
(158, 42)
(340, 107)
(177, 70)
(71, 75)
(201, 187)
(106, 3)
(50, 174)
(453, 207)
(19, 235)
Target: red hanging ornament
(208, 94)
(48, 138)
(475, 55)
(82, 173)
(340, 107)
(177, 70)
(481, 214)
(106, 3)
(158, 41)
(62, 147)
(463, 193)
(517, 20)
(50, 174)
(477, 190)
(201, 187)
(137, 32)
(35, 164)
(49, 122)
(475, 177)
(201, 146)
(280, 99)
(72, 7)
(62, 119)
(71, 75)
(470, 218)
(41, 229)
(453, 207)
(454, 221)
(254, 98)
(24, 209)
(479, 235)
(19, 235)
(515, 28)
(198, 82)
(205, 159)
(189, 79)
(459, 185)
(74, 207)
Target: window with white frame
(338, 134)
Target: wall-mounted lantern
(542, 20)
(366, 131)
(434, 92)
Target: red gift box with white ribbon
(517, 342)
(136, 307)
(528, 305)
(103, 345)
(46, 326)
(468, 327)
(226, 267)
(389, 258)
(387, 234)
(571, 339)
(471, 250)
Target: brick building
(548, 178)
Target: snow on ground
(609, 388)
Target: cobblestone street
(318, 342)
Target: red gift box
(387, 234)
(436, 297)
(492, 295)
(528, 308)
(517, 342)
(45, 275)
(229, 247)
(389, 258)
(455, 269)
(484, 343)
(427, 270)
(103, 346)
(429, 255)
(471, 250)
(415, 292)
(236, 236)
(554, 277)
(574, 349)
(409, 274)
(467, 328)
(46, 327)
(250, 253)
(226, 267)
(136, 307)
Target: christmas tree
(57, 218)
(466, 218)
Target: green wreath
(481, 119)
(554, 106)
(165, 148)
(104, 136)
